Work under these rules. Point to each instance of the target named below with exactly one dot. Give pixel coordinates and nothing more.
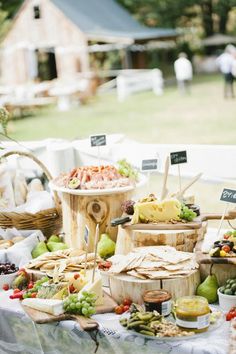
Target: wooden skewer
(86, 258)
(164, 191)
(194, 180)
(95, 251)
(221, 220)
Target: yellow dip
(193, 313)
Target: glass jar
(158, 300)
(193, 313)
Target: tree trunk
(207, 18)
(223, 14)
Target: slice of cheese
(53, 307)
(95, 287)
(168, 209)
(78, 283)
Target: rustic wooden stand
(183, 236)
(125, 286)
(89, 210)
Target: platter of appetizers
(222, 251)
(151, 213)
(151, 324)
(101, 179)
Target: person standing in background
(226, 64)
(183, 72)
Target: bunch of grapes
(84, 305)
(187, 214)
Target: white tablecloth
(18, 334)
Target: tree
(10, 7)
(214, 14)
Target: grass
(203, 117)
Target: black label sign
(178, 157)
(149, 165)
(98, 140)
(228, 195)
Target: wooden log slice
(125, 286)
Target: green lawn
(204, 117)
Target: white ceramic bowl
(7, 279)
(226, 301)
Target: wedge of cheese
(168, 209)
(53, 307)
(95, 287)
(77, 282)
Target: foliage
(4, 118)
(214, 14)
(10, 7)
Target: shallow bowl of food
(226, 302)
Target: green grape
(84, 311)
(78, 306)
(91, 310)
(66, 303)
(82, 306)
(186, 213)
(72, 306)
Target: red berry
(76, 276)
(30, 285)
(5, 287)
(34, 295)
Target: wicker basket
(49, 221)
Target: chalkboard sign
(98, 140)
(178, 157)
(228, 195)
(149, 165)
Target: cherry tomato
(107, 264)
(229, 316)
(30, 285)
(5, 287)
(127, 302)
(76, 276)
(226, 249)
(71, 288)
(34, 295)
(226, 236)
(122, 307)
(126, 308)
(118, 310)
(16, 291)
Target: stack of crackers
(154, 263)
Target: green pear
(39, 249)
(106, 247)
(56, 246)
(208, 288)
(54, 238)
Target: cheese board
(39, 317)
(85, 323)
(195, 224)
